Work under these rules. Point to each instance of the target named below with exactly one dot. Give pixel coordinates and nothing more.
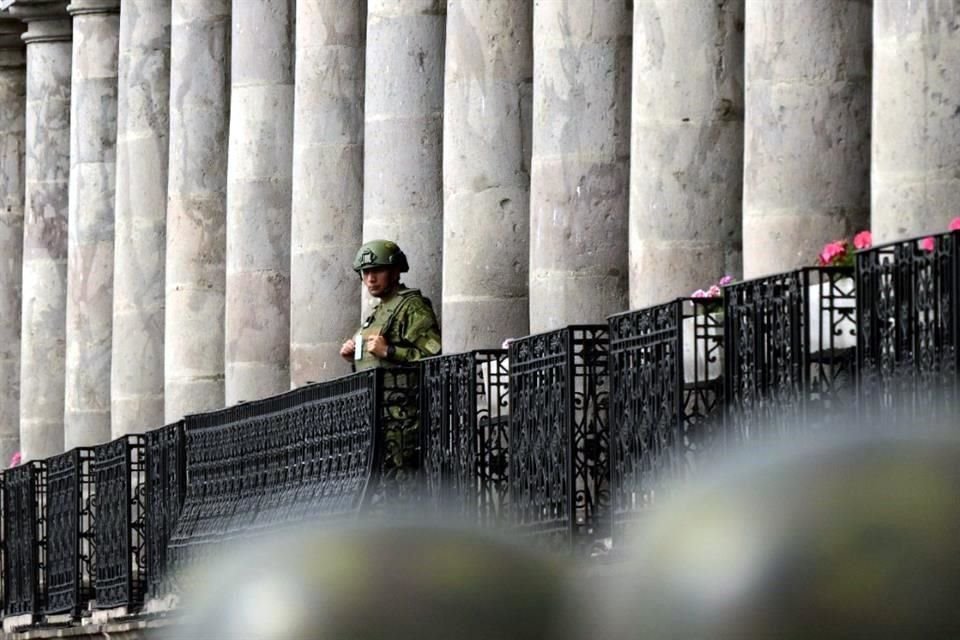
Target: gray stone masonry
(13, 104)
(402, 173)
(327, 215)
(93, 116)
(197, 207)
(486, 172)
(580, 168)
(44, 284)
(686, 156)
(258, 200)
(916, 117)
(141, 216)
(807, 129)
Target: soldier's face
(381, 281)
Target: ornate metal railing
(790, 349)
(24, 529)
(166, 467)
(281, 460)
(909, 305)
(465, 435)
(70, 532)
(559, 469)
(666, 366)
(121, 509)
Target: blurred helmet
(380, 253)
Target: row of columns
(217, 178)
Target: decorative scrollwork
(70, 532)
(559, 466)
(120, 477)
(24, 530)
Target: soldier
(402, 328)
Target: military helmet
(380, 253)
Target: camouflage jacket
(408, 322)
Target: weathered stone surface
(807, 129)
(197, 207)
(580, 166)
(916, 126)
(327, 216)
(141, 210)
(47, 169)
(13, 104)
(93, 116)
(258, 200)
(686, 156)
(402, 164)
(486, 172)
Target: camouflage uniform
(407, 321)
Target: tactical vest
(381, 322)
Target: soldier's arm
(420, 334)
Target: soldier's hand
(378, 345)
(348, 349)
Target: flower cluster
(839, 253)
(714, 290)
(15, 460)
(928, 243)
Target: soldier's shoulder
(414, 301)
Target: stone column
(686, 156)
(46, 170)
(93, 113)
(486, 172)
(141, 213)
(327, 216)
(916, 102)
(403, 128)
(258, 200)
(580, 168)
(13, 104)
(807, 129)
(197, 207)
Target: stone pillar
(47, 169)
(258, 200)
(197, 207)
(807, 129)
(916, 102)
(13, 104)
(486, 172)
(93, 113)
(403, 128)
(141, 212)
(686, 156)
(327, 216)
(580, 167)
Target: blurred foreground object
(396, 583)
(852, 539)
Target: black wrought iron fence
(666, 382)
(120, 475)
(285, 459)
(465, 434)
(24, 529)
(909, 305)
(70, 532)
(791, 349)
(559, 463)
(166, 468)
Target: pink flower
(16, 459)
(954, 224)
(927, 244)
(831, 251)
(863, 240)
(506, 343)
(724, 281)
(714, 292)
(699, 293)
